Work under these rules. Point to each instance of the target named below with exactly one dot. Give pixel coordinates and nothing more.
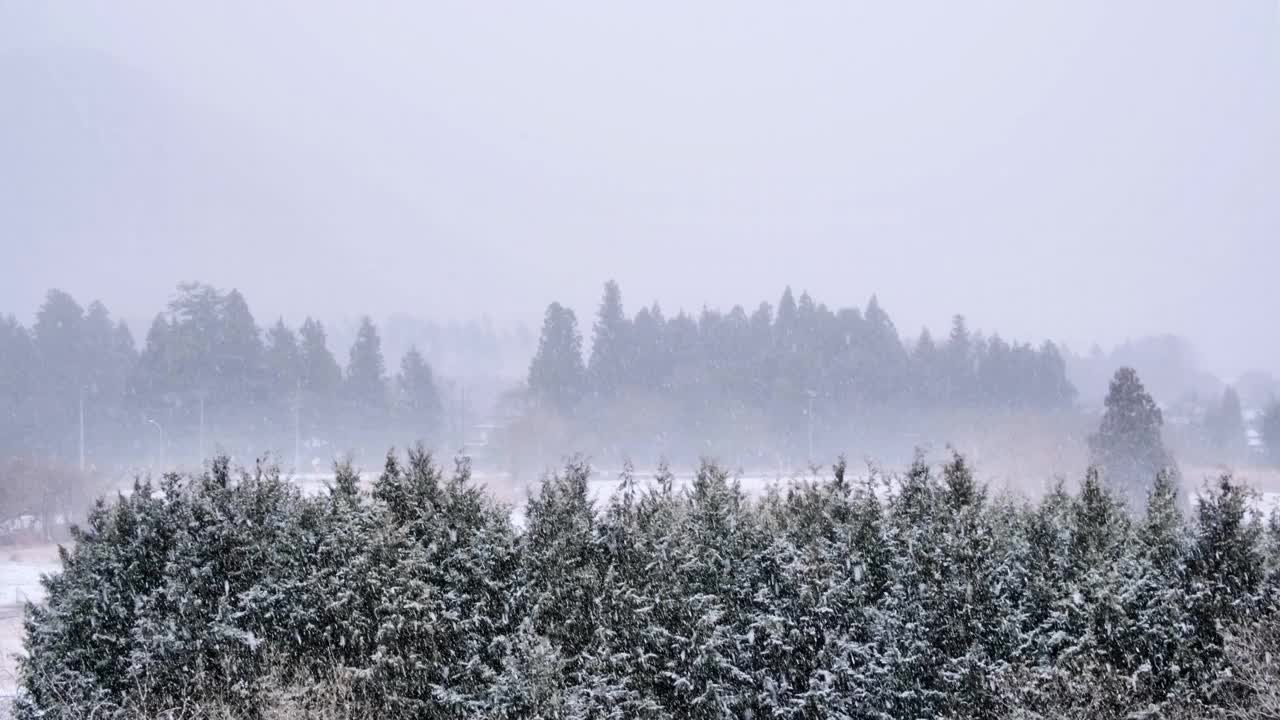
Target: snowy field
(602, 486)
(20, 571)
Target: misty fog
(1081, 172)
(639, 360)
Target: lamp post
(201, 427)
(812, 394)
(297, 428)
(82, 428)
(153, 422)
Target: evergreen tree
(417, 399)
(153, 377)
(882, 357)
(1270, 432)
(1226, 569)
(59, 342)
(559, 558)
(366, 380)
(1128, 447)
(1053, 389)
(647, 331)
(786, 322)
(1156, 604)
(556, 374)
(238, 363)
(193, 345)
(110, 356)
(17, 382)
(1225, 424)
(283, 368)
(611, 364)
(321, 378)
(230, 594)
(930, 384)
(283, 357)
(960, 358)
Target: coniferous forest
(204, 368)
(639, 361)
(206, 375)
(785, 378)
(855, 594)
(918, 595)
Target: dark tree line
(914, 596)
(778, 363)
(204, 363)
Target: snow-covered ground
(602, 486)
(20, 571)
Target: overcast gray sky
(1074, 170)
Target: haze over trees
(206, 375)
(1224, 424)
(1271, 432)
(717, 373)
(1128, 447)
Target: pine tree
(366, 381)
(960, 358)
(152, 377)
(193, 347)
(58, 337)
(1226, 569)
(930, 381)
(1225, 424)
(321, 378)
(1053, 390)
(1128, 447)
(283, 371)
(417, 399)
(283, 359)
(556, 374)
(647, 330)
(108, 359)
(1270, 432)
(17, 380)
(559, 555)
(786, 322)
(238, 365)
(1156, 603)
(882, 356)
(612, 360)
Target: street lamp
(200, 394)
(81, 428)
(812, 394)
(153, 422)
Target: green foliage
(889, 597)
(205, 370)
(1225, 424)
(1128, 448)
(556, 373)
(710, 371)
(366, 386)
(417, 401)
(1271, 432)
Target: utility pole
(153, 422)
(82, 428)
(811, 394)
(202, 458)
(297, 428)
(462, 418)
